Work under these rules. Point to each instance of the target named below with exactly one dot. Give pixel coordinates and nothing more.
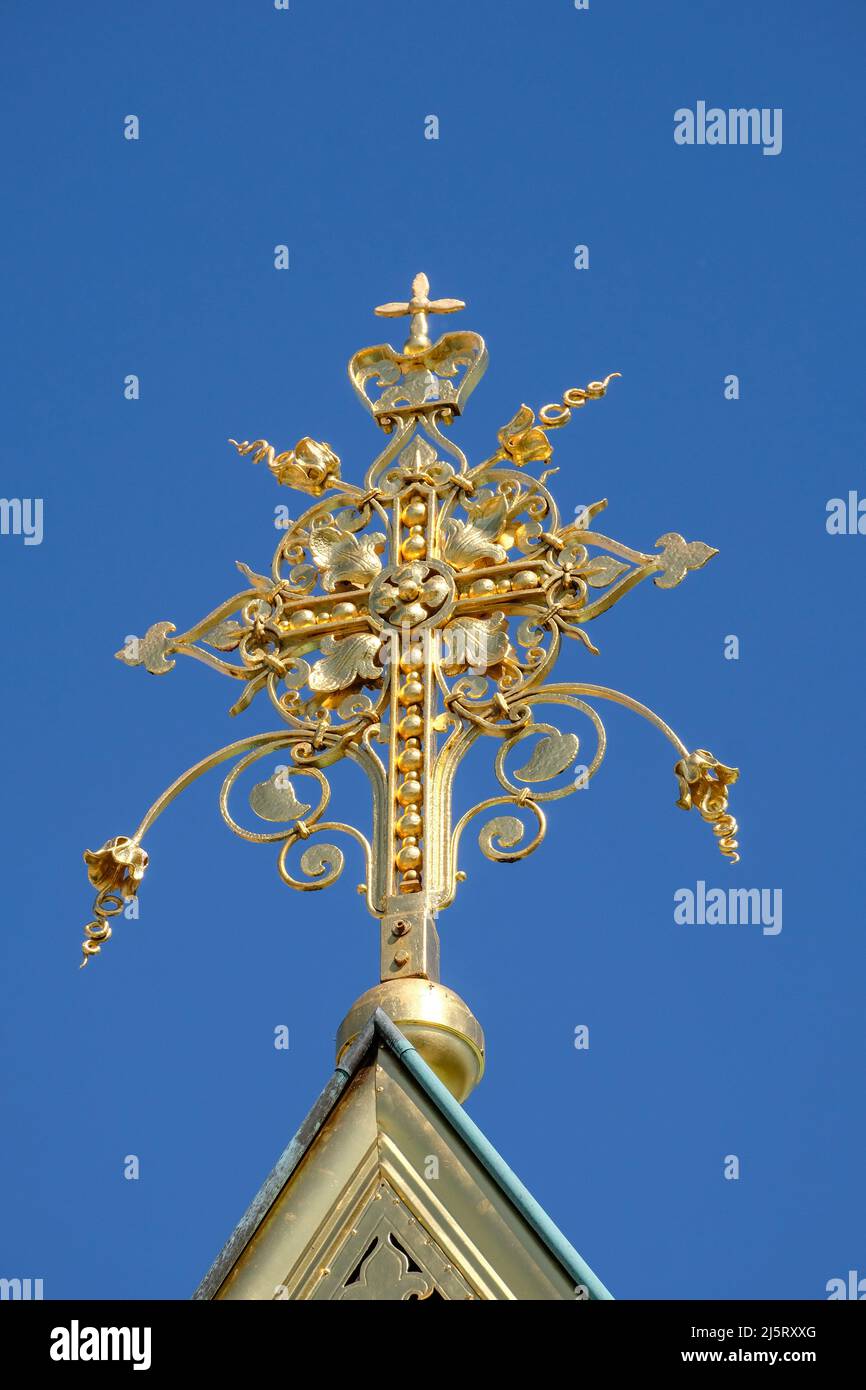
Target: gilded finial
(421, 608)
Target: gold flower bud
(118, 867)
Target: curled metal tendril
(97, 931)
(508, 831)
(500, 839)
(714, 810)
(557, 414)
(725, 827)
(115, 871)
(323, 863)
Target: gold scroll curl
(508, 831)
(322, 863)
(98, 931)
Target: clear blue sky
(155, 257)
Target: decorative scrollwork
(508, 831)
(322, 863)
(275, 799)
(501, 839)
(552, 754)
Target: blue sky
(155, 257)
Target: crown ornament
(425, 379)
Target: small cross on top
(419, 306)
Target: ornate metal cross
(416, 613)
(418, 307)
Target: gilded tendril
(523, 441)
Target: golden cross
(418, 612)
(419, 306)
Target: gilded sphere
(411, 692)
(303, 617)
(409, 857)
(482, 587)
(525, 579)
(411, 725)
(434, 1019)
(409, 824)
(412, 659)
(414, 547)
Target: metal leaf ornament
(550, 756)
(345, 661)
(275, 799)
(342, 557)
(465, 542)
(678, 556)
